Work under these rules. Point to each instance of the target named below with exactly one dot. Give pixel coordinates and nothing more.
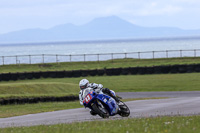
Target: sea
(30, 53)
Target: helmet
(83, 84)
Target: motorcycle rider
(84, 83)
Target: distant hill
(98, 29)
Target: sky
(27, 14)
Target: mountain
(111, 27)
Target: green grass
(17, 110)
(97, 65)
(35, 88)
(178, 124)
(69, 86)
(129, 83)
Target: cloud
(187, 1)
(28, 3)
(158, 10)
(86, 8)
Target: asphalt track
(179, 103)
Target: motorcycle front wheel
(99, 108)
(123, 109)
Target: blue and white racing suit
(97, 88)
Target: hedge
(106, 71)
(9, 101)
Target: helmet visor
(83, 87)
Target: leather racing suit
(97, 88)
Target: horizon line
(114, 40)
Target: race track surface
(185, 103)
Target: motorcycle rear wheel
(99, 108)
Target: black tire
(124, 110)
(100, 110)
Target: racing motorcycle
(103, 104)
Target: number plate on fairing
(87, 98)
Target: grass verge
(17, 110)
(177, 124)
(117, 63)
(129, 83)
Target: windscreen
(86, 91)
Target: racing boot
(107, 91)
(116, 99)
